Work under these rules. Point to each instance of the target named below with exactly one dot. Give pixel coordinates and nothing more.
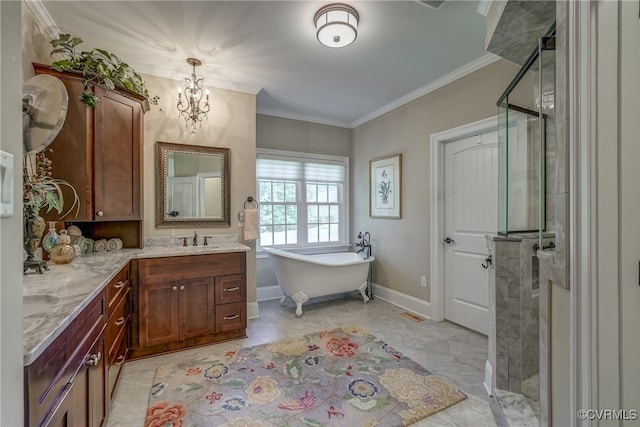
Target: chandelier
(189, 106)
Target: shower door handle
(448, 240)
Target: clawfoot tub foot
(363, 291)
(299, 298)
(283, 299)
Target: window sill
(309, 250)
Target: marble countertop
(52, 300)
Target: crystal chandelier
(189, 106)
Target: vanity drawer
(117, 287)
(164, 270)
(231, 317)
(231, 289)
(116, 362)
(118, 320)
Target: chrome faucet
(195, 238)
(364, 244)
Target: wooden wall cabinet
(191, 300)
(98, 151)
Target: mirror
(192, 186)
(44, 108)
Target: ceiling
(269, 48)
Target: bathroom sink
(32, 304)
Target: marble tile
(516, 409)
(518, 28)
(562, 228)
(452, 352)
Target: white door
(181, 197)
(471, 211)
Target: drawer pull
(235, 316)
(94, 359)
(120, 360)
(119, 285)
(231, 289)
(120, 321)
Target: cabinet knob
(182, 287)
(231, 289)
(100, 213)
(174, 288)
(119, 284)
(120, 360)
(120, 321)
(94, 359)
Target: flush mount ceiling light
(336, 25)
(193, 92)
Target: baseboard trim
(407, 302)
(253, 311)
(265, 293)
(413, 304)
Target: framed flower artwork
(385, 187)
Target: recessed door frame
(437, 204)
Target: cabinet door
(71, 155)
(197, 306)
(72, 410)
(117, 166)
(158, 313)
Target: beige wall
(35, 43)
(231, 124)
(294, 135)
(276, 133)
(401, 247)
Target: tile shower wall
(517, 290)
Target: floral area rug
(341, 377)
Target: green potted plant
(40, 191)
(99, 68)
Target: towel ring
(250, 200)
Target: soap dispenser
(63, 253)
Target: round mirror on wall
(44, 108)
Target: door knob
(449, 240)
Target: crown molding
(44, 19)
(469, 68)
(303, 118)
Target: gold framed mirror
(192, 186)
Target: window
(302, 198)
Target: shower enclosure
(526, 158)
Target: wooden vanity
(152, 303)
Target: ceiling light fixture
(336, 25)
(193, 91)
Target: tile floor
(450, 351)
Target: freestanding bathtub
(308, 276)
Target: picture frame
(385, 187)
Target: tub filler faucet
(364, 244)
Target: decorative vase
(64, 253)
(51, 239)
(34, 226)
